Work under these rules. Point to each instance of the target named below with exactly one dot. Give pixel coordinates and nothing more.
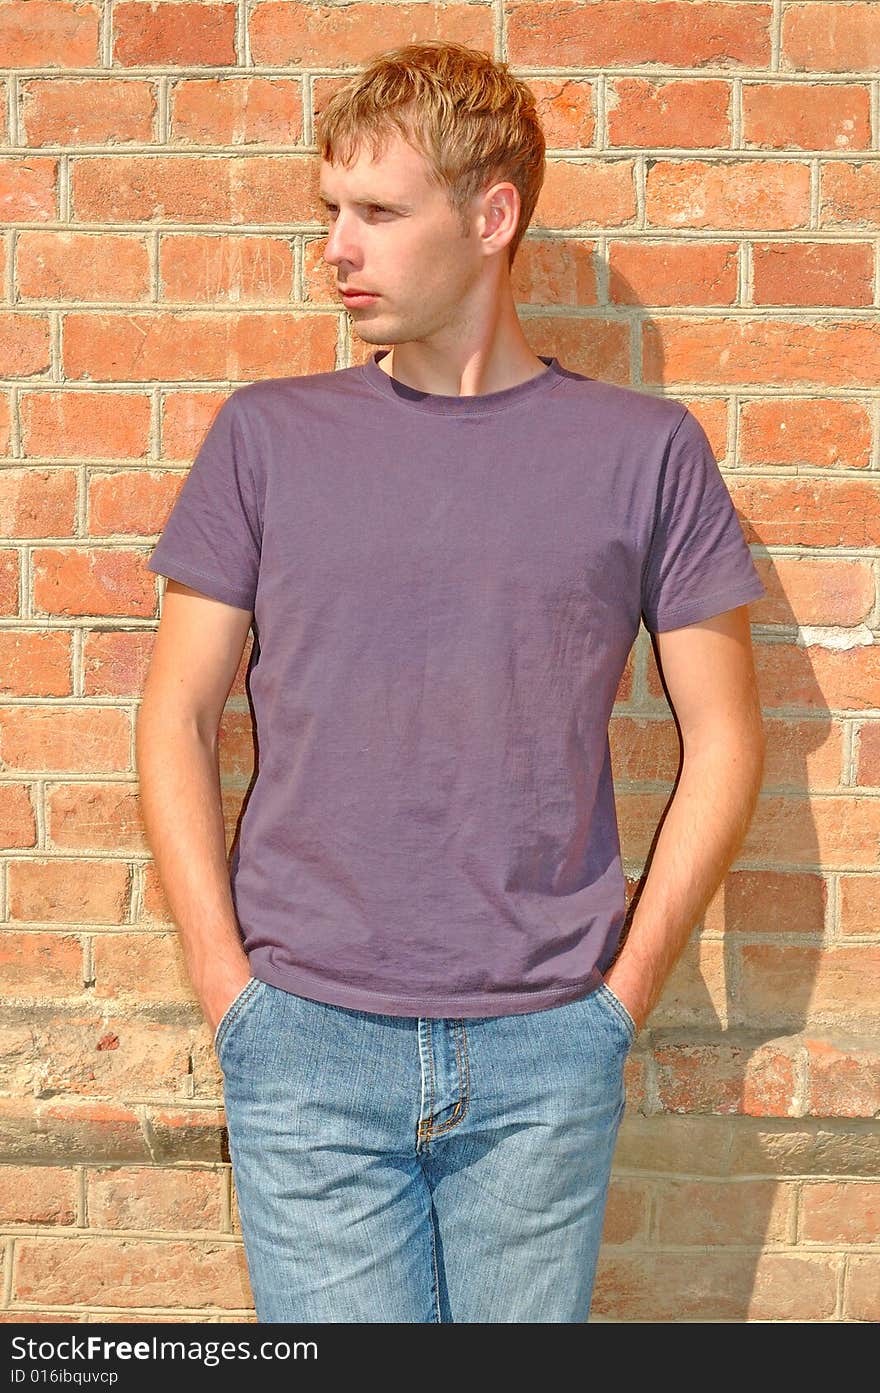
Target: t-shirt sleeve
(698, 562)
(212, 538)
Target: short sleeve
(698, 562)
(212, 538)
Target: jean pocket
(234, 1010)
(619, 1010)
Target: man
(421, 1006)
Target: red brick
(843, 1080)
(150, 1197)
(829, 37)
(87, 111)
(185, 419)
(97, 1056)
(29, 188)
(640, 743)
(808, 513)
(861, 1293)
(815, 432)
(726, 1078)
(814, 677)
(18, 826)
(750, 195)
(95, 425)
(24, 340)
(64, 890)
(839, 832)
(559, 272)
(236, 110)
(657, 271)
(567, 111)
(35, 664)
(10, 582)
(117, 347)
(790, 985)
(849, 194)
(665, 112)
(49, 739)
(38, 1195)
(696, 992)
(867, 754)
(70, 1129)
(842, 1212)
(813, 273)
(131, 1272)
(586, 193)
(240, 270)
(858, 897)
(131, 501)
(180, 33)
(343, 35)
(100, 581)
(747, 349)
(777, 902)
(92, 816)
(822, 592)
(115, 662)
(705, 1286)
(629, 33)
(140, 967)
(796, 116)
(83, 267)
(626, 1213)
(40, 965)
(37, 502)
(713, 1213)
(50, 33)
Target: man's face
(394, 233)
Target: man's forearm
(703, 830)
(181, 805)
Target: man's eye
(372, 207)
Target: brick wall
(708, 229)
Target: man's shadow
(728, 1078)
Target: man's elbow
(742, 741)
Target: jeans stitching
(223, 1028)
(439, 1316)
(461, 1106)
(425, 1122)
(619, 1009)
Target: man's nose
(339, 246)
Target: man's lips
(358, 294)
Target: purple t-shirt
(445, 590)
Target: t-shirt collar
(484, 404)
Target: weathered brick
(153, 1197)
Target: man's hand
(219, 990)
(633, 991)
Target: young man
(414, 971)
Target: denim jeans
(419, 1169)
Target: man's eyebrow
(367, 198)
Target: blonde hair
(474, 124)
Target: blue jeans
(412, 1169)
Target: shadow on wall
(748, 1048)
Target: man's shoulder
(620, 407)
(303, 388)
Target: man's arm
(196, 655)
(709, 672)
